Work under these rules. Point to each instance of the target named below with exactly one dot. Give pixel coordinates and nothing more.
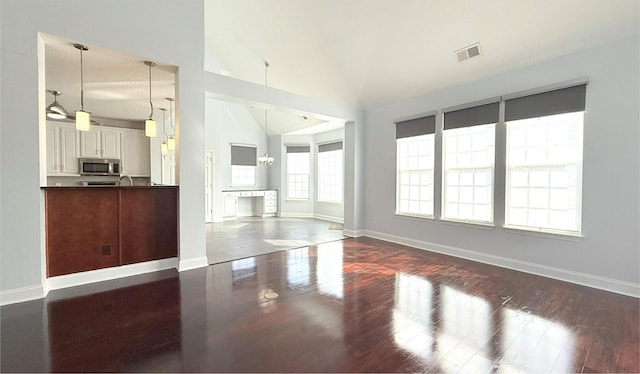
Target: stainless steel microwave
(99, 166)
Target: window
(415, 159)
(243, 165)
(469, 159)
(544, 161)
(330, 172)
(298, 172)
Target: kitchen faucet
(125, 176)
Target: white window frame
(549, 168)
(336, 173)
(297, 172)
(422, 188)
(472, 167)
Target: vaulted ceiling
(370, 52)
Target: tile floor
(251, 236)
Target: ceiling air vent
(468, 52)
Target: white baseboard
(593, 281)
(193, 263)
(100, 275)
(295, 215)
(352, 233)
(19, 295)
(328, 218)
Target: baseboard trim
(193, 263)
(328, 218)
(100, 275)
(295, 215)
(352, 233)
(583, 279)
(19, 295)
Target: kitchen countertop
(83, 187)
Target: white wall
(608, 255)
(122, 25)
(227, 123)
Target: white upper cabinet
(135, 160)
(100, 142)
(62, 149)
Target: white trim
(472, 104)
(583, 279)
(193, 263)
(18, 295)
(100, 275)
(415, 116)
(549, 87)
(328, 218)
(295, 215)
(352, 233)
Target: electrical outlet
(106, 249)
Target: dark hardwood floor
(353, 305)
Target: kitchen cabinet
(134, 154)
(230, 204)
(62, 149)
(100, 142)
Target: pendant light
(150, 124)
(266, 159)
(55, 110)
(82, 117)
(164, 148)
(171, 142)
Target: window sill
(550, 234)
(294, 199)
(329, 202)
(422, 217)
(469, 224)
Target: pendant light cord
(81, 83)
(150, 102)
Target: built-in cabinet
(134, 158)
(264, 203)
(65, 145)
(62, 149)
(100, 142)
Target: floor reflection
(412, 326)
(329, 270)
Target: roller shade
(416, 127)
(243, 155)
(565, 100)
(299, 149)
(477, 115)
(330, 147)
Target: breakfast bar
(89, 228)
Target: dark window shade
(416, 127)
(329, 147)
(477, 115)
(565, 100)
(299, 149)
(245, 156)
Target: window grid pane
(544, 162)
(330, 176)
(415, 163)
(242, 175)
(468, 173)
(298, 175)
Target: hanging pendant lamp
(150, 124)
(266, 159)
(164, 148)
(83, 119)
(171, 142)
(55, 110)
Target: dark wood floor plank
(356, 305)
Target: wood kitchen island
(89, 228)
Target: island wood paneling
(81, 229)
(148, 224)
(95, 228)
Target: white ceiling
(355, 52)
(116, 85)
(370, 52)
